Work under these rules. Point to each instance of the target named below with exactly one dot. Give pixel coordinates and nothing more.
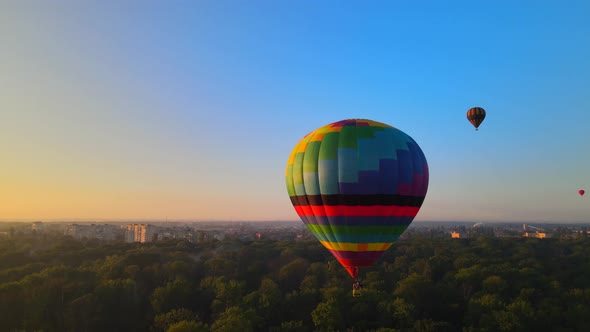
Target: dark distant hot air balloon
(357, 184)
(581, 192)
(475, 115)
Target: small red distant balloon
(581, 192)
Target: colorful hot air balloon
(475, 115)
(357, 184)
(581, 192)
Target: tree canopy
(55, 283)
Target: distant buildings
(277, 231)
(94, 231)
(532, 231)
(539, 235)
(140, 233)
(37, 226)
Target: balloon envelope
(357, 184)
(581, 192)
(476, 115)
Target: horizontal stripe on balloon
(356, 258)
(355, 234)
(360, 200)
(337, 221)
(356, 262)
(357, 247)
(357, 211)
(352, 238)
(357, 230)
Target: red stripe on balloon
(357, 211)
(356, 262)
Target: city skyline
(189, 110)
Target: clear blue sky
(189, 109)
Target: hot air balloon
(581, 192)
(475, 115)
(357, 184)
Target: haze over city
(189, 110)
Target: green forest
(56, 283)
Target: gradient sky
(188, 110)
